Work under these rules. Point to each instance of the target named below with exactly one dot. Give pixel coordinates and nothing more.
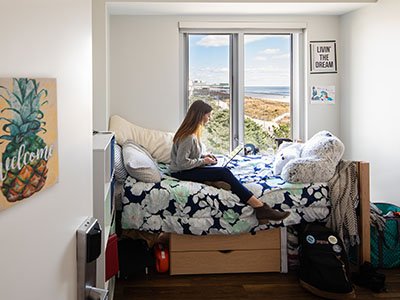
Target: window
(250, 79)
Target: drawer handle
(225, 251)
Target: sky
(267, 59)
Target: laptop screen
(223, 161)
(231, 155)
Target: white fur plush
(286, 152)
(317, 159)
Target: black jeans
(202, 174)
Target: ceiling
(233, 8)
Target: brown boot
(265, 213)
(219, 184)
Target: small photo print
(323, 94)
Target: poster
(323, 94)
(323, 57)
(28, 138)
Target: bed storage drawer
(266, 239)
(210, 254)
(236, 261)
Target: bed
(186, 207)
(211, 228)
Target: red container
(112, 266)
(161, 254)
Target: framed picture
(323, 57)
(28, 138)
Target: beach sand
(262, 109)
(267, 110)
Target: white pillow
(139, 164)
(157, 143)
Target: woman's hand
(210, 156)
(210, 161)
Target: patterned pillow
(120, 171)
(139, 164)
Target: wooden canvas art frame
(28, 138)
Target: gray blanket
(344, 196)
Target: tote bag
(385, 245)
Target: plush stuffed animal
(317, 159)
(286, 152)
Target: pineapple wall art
(28, 138)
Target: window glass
(209, 81)
(266, 89)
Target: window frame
(236, 69)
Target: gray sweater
(186, 154)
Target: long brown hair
(193, 122)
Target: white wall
(370, 93)
(144, 68)
(50, 38)
(100, 35)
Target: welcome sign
(323, 57)
(28, 138)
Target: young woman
(188, 163)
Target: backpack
(324, 267)
(134, 257)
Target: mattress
(186, 207)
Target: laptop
(225, 160)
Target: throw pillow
(120, 171)
(157, 143)
(139, 163)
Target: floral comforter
(186, 207)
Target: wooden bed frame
(266, 251)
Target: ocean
(280, 93)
